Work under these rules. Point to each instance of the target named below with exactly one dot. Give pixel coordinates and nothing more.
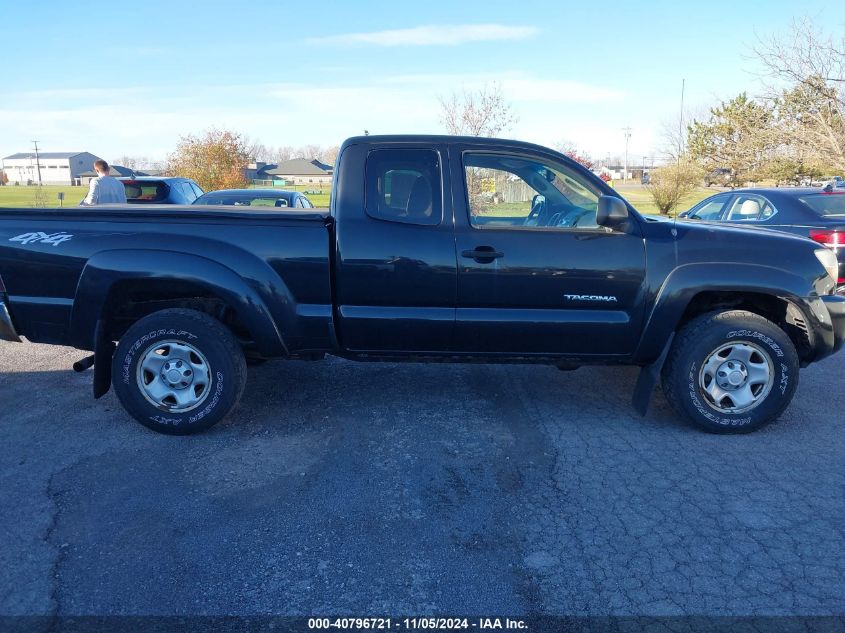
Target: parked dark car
(154, 190)
(810, 212)
(435, 248)
(271, 198)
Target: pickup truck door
(536, 275)
(396, 273)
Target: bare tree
(565, 146)
(136, 163)
(481, 113)
(308, 152)
(811, 110)
(256, 150)
(131, 162)
(283, 153)
(329, 155)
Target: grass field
(25, 196)
(639, 196)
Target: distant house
(57, 168)
(301, 171)
(257, 172)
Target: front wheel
(731, 372)
(178, 371)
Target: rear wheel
(731, 372)
(178, 371)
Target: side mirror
(611, 212)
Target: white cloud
(149, 121)
(432, 35)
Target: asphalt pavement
(361, 489)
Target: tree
(738, 136)
(570, 150)
(583, 159)
(667, 185)
(329, 155)
(215, 161)
(257, 151)
(284, 152)
(481, 113)
(811, 110)
(308, 152)
(130, 162)
(4, 178)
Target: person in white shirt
(104, 189)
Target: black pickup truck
(433, 249)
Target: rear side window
(149, 191)
(749, 208)
(188, 192)
(825, 203)
(403, 185)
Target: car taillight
(832, 239)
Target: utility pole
(37, 162)
(627, 131)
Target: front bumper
(7, 329)
(835, 305)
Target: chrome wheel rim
(736, 377)
(174, 376)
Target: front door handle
(483, 254)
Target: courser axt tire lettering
(178, 371)
(731, 372)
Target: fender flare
(106, 268)
(687, 281)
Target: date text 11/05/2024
(431, 623)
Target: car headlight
(828, 259)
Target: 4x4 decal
(42, 238)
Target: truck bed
(56, 263)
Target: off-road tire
(698, 340)
(213, 340)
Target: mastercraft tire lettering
(178, 371)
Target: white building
(57, 168)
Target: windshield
(825, 203)
(245, 200)
(145, 191)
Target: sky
(118, 79)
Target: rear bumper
(7, 329)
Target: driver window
(514, 192)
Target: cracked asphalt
(364, 489)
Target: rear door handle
(483, 254)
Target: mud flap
(103, 352)
(647, 380)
